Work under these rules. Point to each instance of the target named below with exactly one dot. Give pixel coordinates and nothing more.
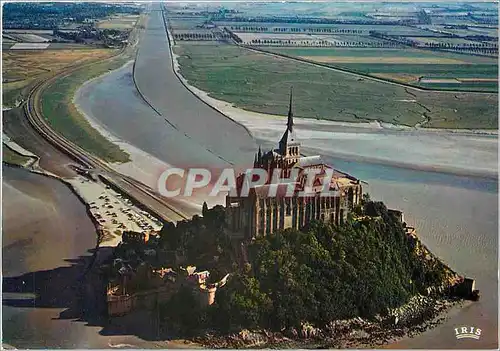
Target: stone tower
(289, 148)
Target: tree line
(309, 20)
(480, 47)
(322, 43)
(295, 30)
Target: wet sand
(44, 226)
(156, 81)
(47, 239)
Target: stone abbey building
(271, 207)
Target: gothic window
(261, 221)
(350, 197)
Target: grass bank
(12, 157)
(260, 83)
(63, 116)
(13, 93)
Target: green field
(396, 65)
(185, 23)
(433, 70)
(386, 52)
(12, 157)
(261, 83)
(65, 119)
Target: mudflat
(156, 81)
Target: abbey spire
(289, 123)
(289, 135)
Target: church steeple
(289, 123)
(289, 128)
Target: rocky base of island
(420, 314)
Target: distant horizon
(260, 1)
(327, 1)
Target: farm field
(7, 45)
(120, 22)
(29, 46)
(251, 38)
(185, 23)
(260, 82)
(20, 68)
(354, 38)
(407, 66)
(27, 37)
(28, 64)
(451, 41)
(373, 54)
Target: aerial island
(278, 269)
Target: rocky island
(364, 282)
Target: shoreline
(88, 196)
(357, 333)
(456, 171)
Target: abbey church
(270, 207)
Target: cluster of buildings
(133, 283)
